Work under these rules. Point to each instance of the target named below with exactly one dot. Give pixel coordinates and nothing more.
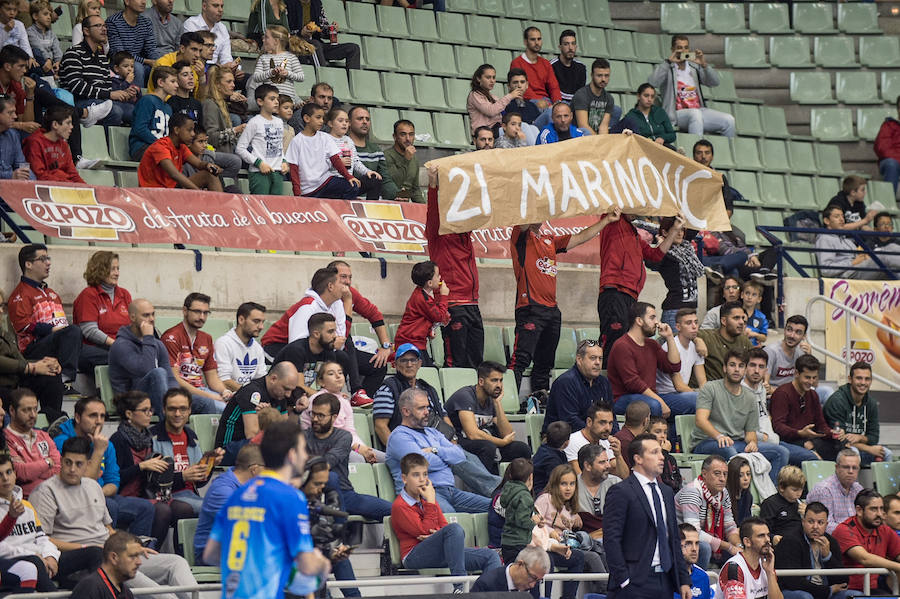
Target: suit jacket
(629, 536)
(792, 553)
(494, 581)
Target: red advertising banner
(248, 222)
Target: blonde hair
(280, 33)
(212, 91)
(791, 476)
(37, 6)
(83, 7)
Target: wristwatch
(387, 345)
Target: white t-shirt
(238, 362)
(312, 155)
(262, 139)
(577, 440)
(686, 95)
(765, 421)
(689, 359)
(222, 53)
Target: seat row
(836, 124)
(769, 17)
(839, 52)
(860, 87)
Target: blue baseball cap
(406, 348)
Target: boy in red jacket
(887, 148)
(47, 150)
(424, 309)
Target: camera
(688, 56)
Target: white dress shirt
(645, 486)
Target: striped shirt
(836, 498)
(85, 73)
(692, 508)
(139, 40)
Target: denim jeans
(200, 404)
(728, 263)
(668, 317)
(446, 549)
(155, 384)
(452, 500)
(343, 570)
(705, 120)
(476, 476)
(136, 511)
(704, 555)
(679, 403)
(546, 117)
(890, 171)
(189, 497)
(336, 188)
(867, 458)
(796, 595)
(367, 506)
(776, 454)
(797, 454)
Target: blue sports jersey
(261, 530)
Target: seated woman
(100, 309)
(221, 126)
(648, 119)
(486, 110)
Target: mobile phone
(209, 461)
(58, 10)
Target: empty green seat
(463, 6)
(392, 21)
(646, 46)
(774, 121)
(828, 160)
(336, 77)
(747, 183)
(680, 17)
(725, 17)
(858, 17)
(769, 17)
(101, 178)
(801, 156)
(451, 27)
(832, 124)
(366, 86)
(494, 349)
(398, 89)
(548, 10)
(430, 93)
(565, 350)
(598, 13)
(519, 8)
(378, 54)
(572, 11)
(621, 45)
(811, 88)
(639, 72)
(834, 52)
(725, 90)
(856, 87)
(774, 155)
(746, 117)
(118, 143)
(93, 143)
(468, 59)
(816, 471)
(813, 17)
(456, 91)
(63, 25)
(500, 59)
(745, 221)
(440, 59)
(592, 41)
(826, 187)
(868, 121)
(890, 86)
(746, 153)
(422, 25)
(493, 8)
(772, 190)
(451, 130)
(883, 191)
(801, 193)
(424, 127)
(413, 53)
(480, 30)
(880, 52)
(361, 18)
(383, 120)
(724, 159)
(745, 52)
(453, 379)
(774, 218)
(618, 78)
(790, 52)
(509, 34)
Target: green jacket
(404, 173)
(517, 502)
(12, 364)
(657, 124)
(373, 157)
(859, 420)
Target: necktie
(662, 537)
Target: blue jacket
(219, 492)
(404, 440)
(548, 134)
(11, 155)
(545, 459)
(109, 467)
(570, 397)
(149, 123)
(130, 359)
(163, 444)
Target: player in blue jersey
(261, 535)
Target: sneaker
(767, 279)
(55, 427)
(361, 399)
(69, 388)
(86, 163)
(714, 274)
(96, 113)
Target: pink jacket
(483, 113)
(30, 462)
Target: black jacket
(793, 553)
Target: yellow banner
(879, 300)
(587, 175)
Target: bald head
(142, 315)
(282, 380)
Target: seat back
(816, 471)
(385, 482)
(362, 477)
(205, 426)
(533, 424)
(684, 428)
(101, 379)
(887, 477)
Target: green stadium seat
(834, 52)
(868, 121)
(801, 156)
(815, 17)
(384, 482)
(858, 17)
(598, 13)
(63, 25)
(236, 11)
(774, 155)
(422, 26)
(745, 52)
(725, 90)
(832, 124)
(828, 160)
(93, 143)
(500, 59)
(361, 18)
(883, 191)
(811, 88)
(423, 124)
(826, 187)
(467, 522)
(454, 379)
(773, 121)
(801, 192)
(494, 349)
(363, 429)
(392, 21)
(118, 143)
(790, 52)
(816, 471)
(493, 8)
(587, 333)
(127, 179)
(747, 183)
(383, 120)
(337, 78)
(187, 528)
(724, 159)
(746, 153)
(619, 79)
(887, 477)
(362, 477)
(333, 8)
(413, 53)
(880, 51)
(646, 46)
(101, 379)
(572, 11)
(638, 73)
(398, 90)
(456, 91)
(481, 30)
(430, 375)
(548, 10)
(769, 17)
(378, 54)
(451, 130)
(687, 141)
(533, 424)
(774, 218)
(725, 18)
(509, 34)
(510, 400)
(856, 87)
(429, 93)
(217, 327)
(440, 60)
(519, 8)
(463, 6)
(772, 192)
(366, 87)
(482, 532)
(621, 45)
(680, 17)
(205, 425)
(565, 349)
(594, 42)
(747, 119)
(436, 345)
(745, 220)
(890, 86)
(101, 178)
(468, 59)
(684, 429)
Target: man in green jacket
(369, 153)
(853, 413)
(402, 164)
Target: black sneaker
(714, 273)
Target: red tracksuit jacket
(422, 312)
(454, 255)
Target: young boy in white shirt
(310, 156)
(260, 144)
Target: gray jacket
(841, 254)
(663, 79)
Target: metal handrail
(857, 314)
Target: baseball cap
(406, 348)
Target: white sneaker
(96, 113)
(86, 163)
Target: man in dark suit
(645, 563)
(796, 552)
(524, 574)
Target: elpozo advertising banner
(879, 300)
(587, 175)
(88, 213)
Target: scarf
(689, 269)
(138, 440)
(714, 524)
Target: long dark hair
(519, 469)
(734, 479)
(640, 90)
(476, 84)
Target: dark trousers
(363, 374)
(48, 389)
(487, 452)
(371, 187)
(826, 447)
(464, 337)
(91, 356)
(537, 335)
(64, 345)
(272, 349)
(657, 584)
(73, 565)
(327, 52)
(12, 581)
(612, 307)
(335, 188)
(767, 259)
(44, 99)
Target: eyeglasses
(200, 312)
(319, 416)
(530, 575)
(178, 409)
(408, 361)
(147, 411)
(41, 259)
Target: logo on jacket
(547, 266)
(246, 366)
(385, 227)
(75, 213)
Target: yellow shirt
(167, 60)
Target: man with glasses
(37, 316)
(593, 483)
(574, 391)
(210, 19)
(838, 491)
(524, 574)
(191, 354)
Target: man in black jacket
(524, 574)
(815, 548)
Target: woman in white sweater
(276, 66)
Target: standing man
(262, 533)
(622, 275)
(34, 455)
(751, 573)
(839, 491)
(402, 165)
(371, 155)
(239, 356)
(854, 413)
(454, 255)
(887, 149)
(570, 73)
(543, 89)
(538, 319)
(641, 531)
(36, 313)
(728, 337)
(595, 109)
